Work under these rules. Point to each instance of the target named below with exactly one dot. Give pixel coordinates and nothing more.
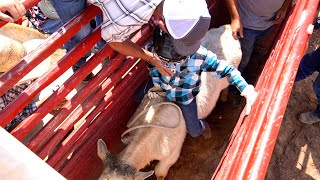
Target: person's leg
(142, 90)
(247, 43)
(51, 25)
(195, 127)
(312, 117)
(316, 89)
(308, 65)
(66, 10)
(102, 42)
(190, 114)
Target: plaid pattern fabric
(36, 17)
(185, 84)
(121, 18)
(11, 95)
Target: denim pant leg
(66, 10)
(316, 89)
(102, 42)
(309, 64)
(51, 25)
(190, 114)
(142, 90)
(247, 43)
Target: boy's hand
(250, 94)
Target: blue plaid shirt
(184, 85)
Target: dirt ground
(296, 154)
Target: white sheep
(163, 128)
(153, 142)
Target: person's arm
(14, 7)
(225, 69)
(281, 13)
(128, 48)
(236, 25)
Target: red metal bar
(49, 129)
(105, 121)
(63, 65)
(69, 123)
(56, 40)
(249, 152)
(88, 149)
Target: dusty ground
(296, 154)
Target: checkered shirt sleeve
(121, 18)
(11, 95)
(185, 84)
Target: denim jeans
(66, 10)
(51, 25)
(250, 36)
(309, 64)
(189, 111)
(190, 114)
(102, 42)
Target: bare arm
(281, 13)
(130, 49)
(236, 25)
(14, 7)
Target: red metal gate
(72, 152)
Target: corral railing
(252, 141)
(104, 105)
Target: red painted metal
(104, 122)
(252, 141)
(250, 149)
(69, 123)
(99, 94)
(56, 40)
(49, 129)
(65, 63)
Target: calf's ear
(102, 150)
(142, 175)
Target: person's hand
(280, 15)
(14, 7)
(250, 94)
(237, 29)
(162, 70)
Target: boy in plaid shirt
(184, 85)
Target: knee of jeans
(83, 33)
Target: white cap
(182, 15)
(187, 22)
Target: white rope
(151, 125)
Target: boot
(309, 118)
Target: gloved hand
(250, 94)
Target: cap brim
(185, 49)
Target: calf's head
(115, 169)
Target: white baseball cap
(187, 21)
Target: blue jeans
(309, 64)
(250, 36)
(102, 42)
(66, 10)
(51, 25)
(189, 111)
